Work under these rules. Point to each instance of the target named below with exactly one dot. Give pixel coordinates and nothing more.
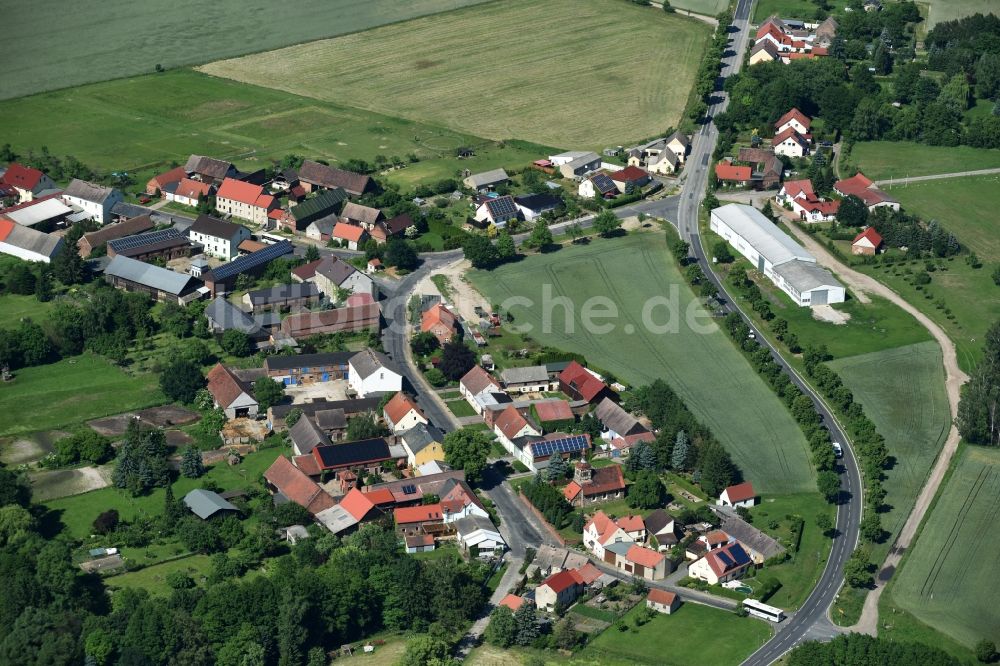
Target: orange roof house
(291, 482)
(440, 321)
(160, 181)
(867, 242)
(727, 172)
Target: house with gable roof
(290, 484)
(354, 509)
(219, 238)
(485, 181)
(350, 236)
(93, 199)
(590, 484)
(740, 494)
(371, 372)
(867, 243)
(440, 322)
(560, 589)
(332, 274)
(315, 176)
(865, 189)
(28, 244)
(799, 195)
(721, 565)
(401, 413)
(209, 169)
(245, 201)
(161, 181)
(598, 186)
(580, 384)
(512, 429)
(481, 390)
(497, 211)
(790, 143)
(423, 444)
(231, 394)
(663, 601)
(601, 531)
(27, 182)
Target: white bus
(270, 238)
(763, 611)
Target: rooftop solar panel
(121, 244)
(252, 260)
(409, 489)
(561, 445)
(502, 206)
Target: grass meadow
(571, 75)
(49, 47)
(70, 391)
(704, 368)
(947, 580)
(708, 7)
(882, 160)
(800, 9)
(163, 118)
(902, 391)
(948, 10)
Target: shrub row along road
(810, 621)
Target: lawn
(47, 44)
(902, 391)
(947, 581)
(70, 392)
(153, 578)
(675, 341)
(79, 511)
(948, 10)
(160, 119)
(800, 9)
(967, 207)
(717, 637)
(14, 307)
(881, 160)
(550, 88)
(460, 408)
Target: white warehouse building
(775, 254)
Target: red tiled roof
(357, 503)
(873, 237)
(296, 486)
(820, 51)
(399, 406)
(644, 556)
(224, 386)
(553, 410)
(22, 177)
(477, 379)
(586, 384)
(348, 232)
(827, 208)
(740, 492)
(589, 573)
(798, 56)
(629, 174)
(571, 490)
(631, 523)
(599, 520)
(853, 185)
(248, 245)
(794, 188)
(247, 193)
(726, 171)
(605, 479)
(512, 601)
(658, 596)
(510, 422)
(722, 562)
(307, 464)
(437, 314)
(6, 226)
(417, 514)
(306, 271)
(564, 579)
(716, 537)
(192, 189)
(175, 175)
(380, 496)
(790, 133)
(419, 540)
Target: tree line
(979, 408)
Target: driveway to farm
(954, 378)
(937, 176)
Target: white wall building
(371, 372)
(95, 200)
(775, 254)
(219, 238)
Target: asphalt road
(811, 620)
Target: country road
(936, 176)
(954, 378)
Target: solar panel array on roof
(734, 556)
(252, 260)
(562, 445)
(119, 245)
(603, 182)
(502, 207)
(409, 489)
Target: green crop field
(71, 391)
(572, 73)
(948, 10)
(708, 7)
(947, 580)
(48, 47)
(902, 391)
(800, 9)
(704, 367)
(718, 637)
(143, 124)
(882, 160)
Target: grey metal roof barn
(148, 275)
(486, 178)
(205, 503)
(804, 276)
(529, 375)
(767, 239)
(223, 315)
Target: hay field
(948, 580)
(705, 368)
(569, 73)
(949, 10)
(50, 44)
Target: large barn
(775, 254)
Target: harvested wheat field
(570, 73)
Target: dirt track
(954, 378)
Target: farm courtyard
(444, 70)
(702, 365)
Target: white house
(233, 396)
(795, 120)
(401, 413)
(218, 238)
(800, 197)
(678, 143)
(741, 494)
(371, 372)
(721, 565)
(598, 185)
(497, 211)
(663, 601)
(26, 181)
(510, 427)
(332, 274)
(27, 243)
(601, 531)
(244, 200)
(479, 533)
(95, 200)
(775, 254)
(790, 143)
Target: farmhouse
(93, 199)
(559, 589)
(218, 238)
(159, 283)
(721, 565)
(497, 211)
(440, 322)
(306, 435)
(401, 413)
(92, 240)
(362, 216)
(775, 254)
(795, 120)
(28, 183)
(422, 444)
(383, 230)
(349, 236)
(764, 51)
(741, 494)
(372, 372)
(766, 168)
(206, 504)
(231, 394)
(188, 192)
(799, 195)
(790, 144)
(616, 421)
(481, 390)
(511, 428)
(580, 384)
(637, 560)
(598, 185)
(315, 176)
(290, 484)
(866, 190)
(324, 204)
(663, 601)
(602, 531)
(482, 182)
(758, 545)
(867, 243)
(353, 509)
(531, 379)
(165, 244)
(730, 174)
(160, 181)
(209, 169)
(351, 318)
(28, 244)
(591, 485)
(532, 206)
(282, 297)
(478, 534)
(245, 201)
(332, 274)
(660, 527)
(223, 277)
(630, 178)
